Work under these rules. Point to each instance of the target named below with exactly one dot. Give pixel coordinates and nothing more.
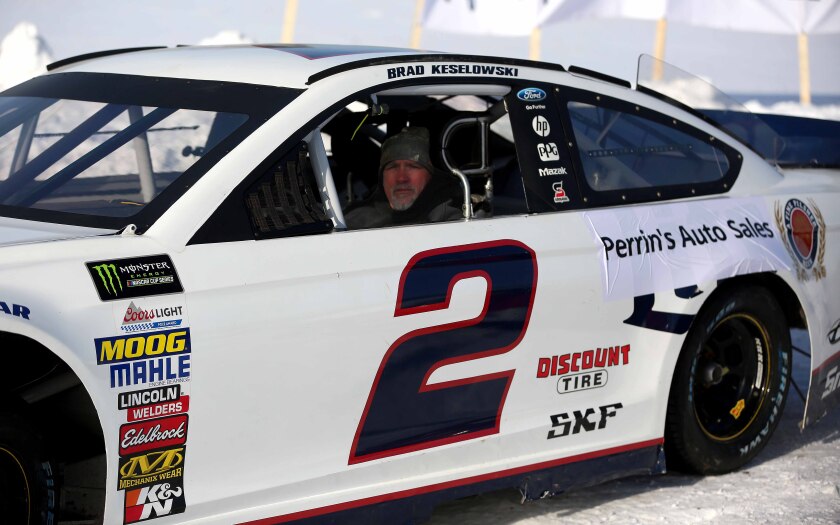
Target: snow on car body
(622, 283)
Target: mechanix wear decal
(135, 277)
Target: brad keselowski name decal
(452, 69)
(135, 277)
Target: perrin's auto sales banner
(649, 249)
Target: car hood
(18, 231)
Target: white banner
(649, 249)
(486, 17)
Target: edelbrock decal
(531, 94)
(649, 249)
(134, 277)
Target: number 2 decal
(403, 413)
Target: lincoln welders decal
(135, 277)
(804, 234)
(651, 249)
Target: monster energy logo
(108, 274)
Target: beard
(400, 199)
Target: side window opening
(285, 202)
(620, 150)
(357, 137)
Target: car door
(340, 365)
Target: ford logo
(531, 94)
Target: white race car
(271, 284)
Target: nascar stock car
(615, 289)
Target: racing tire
(730, 383)
(28, 484)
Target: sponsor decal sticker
(135, 277)
(541, 126)
(154, 501)
(152, 434)
(582, 381)
(161, 409)
(151, 468)
(832, 381)
(559, 193)
(559, 365)
(154, 372)
(531, 94)
(141, 346)
(803, 230)
(834, 333)
(657, 248)
(150, 396)
(548, 151)
(16, 310)
(579, 421)
(139, 319)
(452, 69)
(552, 172)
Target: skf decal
(135, 277)
(531, 94)
(152, 434)
(563, 424)
(142, 346)
(154, 501)
(559, 365)
(804, 233)
(138, 319)
(151, 468)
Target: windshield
(99, 160)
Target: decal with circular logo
(803, 230)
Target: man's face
(403, 181)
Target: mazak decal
(531, 94)
(804, 234)
(541, 126)
(151, 468)
(16, 310)
(663, 247)
(139, 319)
(552, 172)
(135, 277)
(141, 346)
(559, 193)
(559, 365)
(548, 151)
(563, 424)
(154, 501)
(155, 433)
(156, 371)
(834, 333)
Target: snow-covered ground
(795, 479)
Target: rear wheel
(730, 383)
(28, 489)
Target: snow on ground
(795, 479)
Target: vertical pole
(289, 21)
(417, 24)
(659, 48)
(804, 71)
(534, 48)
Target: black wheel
(28, 488)
(730, 383)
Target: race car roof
(285, 65)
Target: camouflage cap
(408, 144)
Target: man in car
(410, 190)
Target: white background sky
(736, 62)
